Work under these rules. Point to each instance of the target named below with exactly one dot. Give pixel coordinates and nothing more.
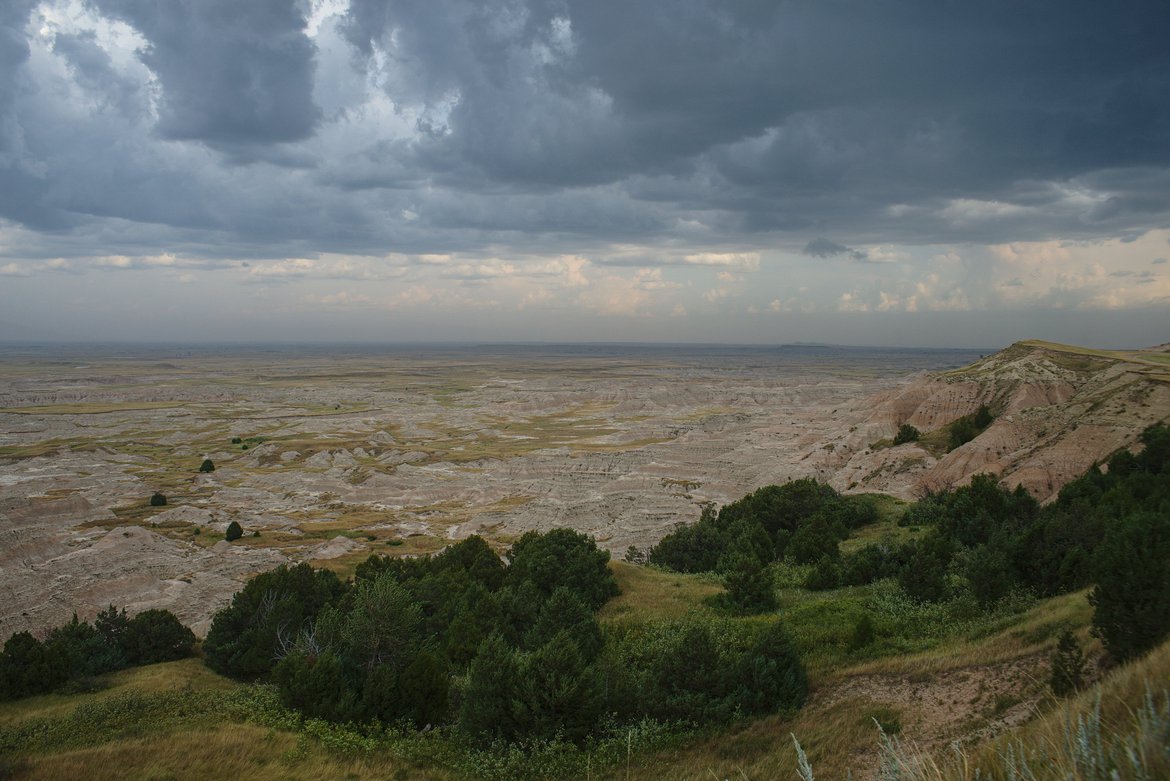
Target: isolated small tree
(635, 555)
(989, 575)
(1131, 602)
(824, 576)
(906, 433)
(982, 417)
(1068, 665)
(923, 576)
(749, 586)
(158, 500)
(207, 466)
(863, 633)
(234, 532)
(155, 636)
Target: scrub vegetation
(794, 611)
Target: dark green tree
(923, 575)
(906, 433)
(476, 615)
(694, 548)
(207, 465)
(234, 531)
(824, 576)
(157, 500)
(28, 667)
(491, 707)
(243, 639)
(989, 574)
(863, 633)
(382, 696)
(966, 428)
(1132, 599)
(814, 540)
(155, 636)
(318, 685)
(562, 693)
(749, 586)
(565, 613)
(687, 679)
(563, 558)
(476, 559)
(111, 624)
(770, 675)
(423, 687)
(86, 651)
(1068, 666)
(382, 623)
(866, 565)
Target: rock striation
(1058, 410)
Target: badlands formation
(328, 457)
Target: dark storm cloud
(824, 248)
(13, 53)
(560, 125)
(92, 69)
(796, 115)
(22, 189)
(234, 74)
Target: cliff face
(1058, 409)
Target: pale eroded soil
(399, 451)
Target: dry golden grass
(653, 595)
(147, 680)
(233, 751)
(838, 740)
(1119, 693)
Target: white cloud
(342, 298)
(850, 302)
(883, 254)
(742, 261)
(965, 211)
(716, 294)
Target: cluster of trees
(505, 652)
(78, 650)
(906, 433)
(802, 521)
(954, 551)
(1110, 527)
(966, 428)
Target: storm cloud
(670, 137)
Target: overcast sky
(910, 172)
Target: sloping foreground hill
(180, 721)
(1057, 410)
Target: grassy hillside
(930, 677)
(894, 679)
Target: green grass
(650, 594)
(179, 720)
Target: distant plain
(330, 453)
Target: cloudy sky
(910, 172)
